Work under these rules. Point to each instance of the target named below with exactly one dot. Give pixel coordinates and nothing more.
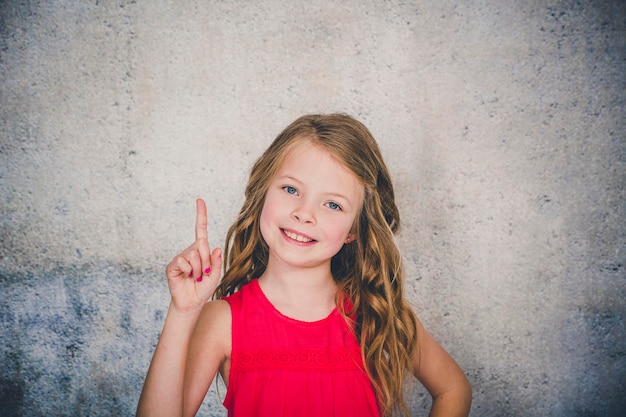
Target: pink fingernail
(207, 271)
(191, 274)
(199, 279)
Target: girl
(309, 318)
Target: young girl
(309, 318)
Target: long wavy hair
(369, 270)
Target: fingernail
(199, 279)
(207, 271)
(191, 274)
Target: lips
(297, 237)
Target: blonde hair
(369, 270)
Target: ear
(350, 238)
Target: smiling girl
(310, 317)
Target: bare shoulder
(217, 308)
(214, 325)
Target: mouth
(297, 237)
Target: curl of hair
(369, 270)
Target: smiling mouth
(297, 237)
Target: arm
(209, 350)
(192, 278)
(163, 388)
(442, 377)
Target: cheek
(339, 231)
(270, 213)
(265, 219)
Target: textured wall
(503, 123)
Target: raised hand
(194, 273)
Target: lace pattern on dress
(319, 359)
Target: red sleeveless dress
(285, 367)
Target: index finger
(201, 220)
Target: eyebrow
(328, 193)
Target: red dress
(285, 367)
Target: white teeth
(297, 237)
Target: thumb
(216, 258)
(216, 265)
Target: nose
(304, 213)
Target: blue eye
(333, 206)
(291, 190)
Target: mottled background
(503, 123)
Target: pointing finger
(202, 243)
(201, 220)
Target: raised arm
(442, 377)
(192, 278)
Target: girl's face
(309, 208)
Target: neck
(306, 294)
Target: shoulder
(214, 325)
(247, 291)
(217, 308)
(216, 312)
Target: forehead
(311, 161)
(307, 154)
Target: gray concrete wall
(503, 123)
